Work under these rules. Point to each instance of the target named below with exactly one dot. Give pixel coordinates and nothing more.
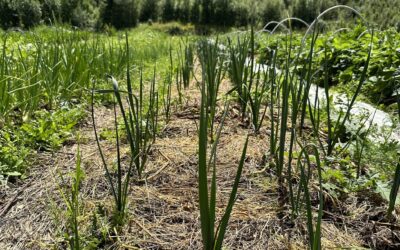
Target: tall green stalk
(212, 75)
(239, 71)
(140, 127)
(396, 179)
(186, 59)
(72, 201)
(212, 237)
(314, 234)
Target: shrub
(369, 8)
(85, 14)
(67, 9)
(324, 5)
(29, 12)
(8, 15)
(51, 9)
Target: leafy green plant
(71, 199)
(45, 131)
(13, 155)
(334, 127)
(49, 130)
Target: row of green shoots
(277, 94)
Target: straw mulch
(163, 211)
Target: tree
(149, 10)
(29, 12)
(206, 11)
(182, 11)
(8, 15)
(195, 12)
(51, 10)
(271, 11)
(168, 11)
(306, 10)
(223, 13)
(120, 13)
(67, 9)
(86, 14)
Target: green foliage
(8, 15)
(168, 10)
(373, 11)
(206, 11)
(182, 12)
(314, 233)
(149, 10)
(29, 12)
(140, 124)
(346, 56)
(240, 73)
(186, 60)
(51, 10)
(67, 8)
(46, 131)
(211, 62)
(195, 12)
(121, 13)
(213, 237)
(49, 130)
(13, 155)
(306, 10)
(126, 13)
(393, 198)
(72, 201)
(242, 13)
(271, 11)
(85, 14)
(224, 14)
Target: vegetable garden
(258, 139)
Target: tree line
(120, 14)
